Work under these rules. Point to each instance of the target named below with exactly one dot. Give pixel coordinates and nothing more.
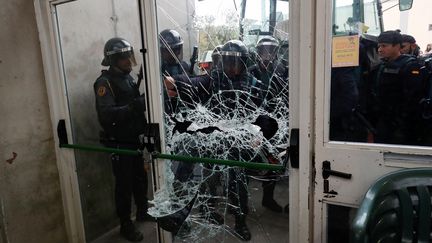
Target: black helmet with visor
(267, 50)
(117, 48)
(171, 46)
(234, 57)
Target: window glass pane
(380, 76)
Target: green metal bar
(101, 149)
(189, 159)
(247, 165)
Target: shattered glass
(247, 122)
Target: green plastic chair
(397, 208)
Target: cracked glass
(224, 69)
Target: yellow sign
(345, 51)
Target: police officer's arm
(188, 88)
(108, 111)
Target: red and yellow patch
(101, 91)
(415, 72)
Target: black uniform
(399, 88)
(202, 88)
(344, 99)
(275, 89)
(274, 84)
(122, 119)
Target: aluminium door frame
(57, 99)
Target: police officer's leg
(140, 189)
(268, 193)
(123, 171)
(238, 195)
(209, 206)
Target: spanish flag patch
(101, 91)
(415, 72)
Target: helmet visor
(267, 52)
(233, 66)
(129, 55)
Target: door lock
(327, 171)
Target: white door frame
(57, 99)
(301, 62)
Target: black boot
(267, 200)
(241, 228)
(130, 232)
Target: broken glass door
(224, 69)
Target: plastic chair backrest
(396, 208)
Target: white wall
(29, 187)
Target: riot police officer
(399, 88)
(272, 73)
(274, 78)
(171, 48)
(120, 110)
(233, 86)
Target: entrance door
(207, 113)
(352, 148)
(73, 34)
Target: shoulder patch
(415, 72)
(101, 91)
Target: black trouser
(269, 185)
(238, 191)
(130, 179)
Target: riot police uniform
(274, 78)
(225, 85)
(398, 89)
(120, 110)
(171, 48)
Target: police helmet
(171, 45)
(116, 48)
(170, 39)
(267, 49)
(234, 57)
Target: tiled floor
(265, 225)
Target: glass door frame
(45, 12)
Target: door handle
(294, 149)
(327, 171)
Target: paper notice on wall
(345, 51)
